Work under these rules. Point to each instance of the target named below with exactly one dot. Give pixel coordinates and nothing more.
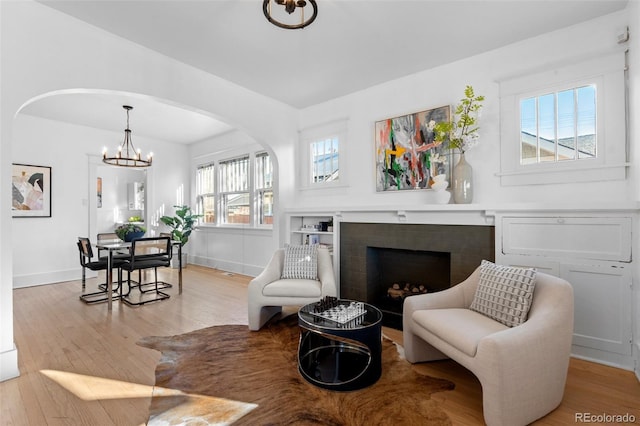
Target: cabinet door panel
(603, 238)
(602, 306)
(541, 264)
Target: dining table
(117, 245)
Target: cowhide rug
(228, 374)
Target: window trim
(607, 73)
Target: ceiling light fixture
(290, 6)
(127, 155)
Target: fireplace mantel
(457, 214)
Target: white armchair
(522, 369)
(268, 292)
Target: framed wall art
(99, 192)
(31, 191)
(407, 157)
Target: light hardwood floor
(80, 365)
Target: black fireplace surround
(374, 256)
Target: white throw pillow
(504, 293)
(300, 262)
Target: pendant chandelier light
(290, 6)
(127, 155)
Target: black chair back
(150, 252)
(86, 253)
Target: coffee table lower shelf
(335, 365)
(340, 358)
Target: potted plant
(181, 226)
(461, 135)
(130, 231)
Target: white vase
(442, 197)
(462, 182)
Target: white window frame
(224, 194)
(261, 191)
(607, 74)
(335, 129)
(200, 194)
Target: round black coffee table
(340, 354)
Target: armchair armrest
(271, 273)
(536, 353)
(325, 273)
(458, 296)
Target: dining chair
(87, 262)
(146, 253)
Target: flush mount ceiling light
(290, 6)
(127, 155)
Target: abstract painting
(407, 157)
(31, 191)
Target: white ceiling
(352, 45)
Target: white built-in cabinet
(309, 229)
(312, 230)
(593, 253)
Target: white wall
(115, 197)
(444, 86)
(66, 148)
(634, 135)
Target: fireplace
(374, 256)
(394, 274)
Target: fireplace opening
(394, 274)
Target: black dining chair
(147, 253)
(87, 262)
(103, 253)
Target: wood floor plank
(55, 331)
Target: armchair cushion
(293, 288)
(504, 293)
(300, 262)
(461, 328)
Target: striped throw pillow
(300, 262)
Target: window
(325, 157)
(264, 189)
(234, 191)
(205, 193)
(565, 123)
(559, 126)
(320, 156)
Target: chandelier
(127, 155)
(290, 6)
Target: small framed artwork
(30, 191)
(99, 192)
(407, 156)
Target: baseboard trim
(601, 357)
(32, 280)
(9, 364)
(225, 265)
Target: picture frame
(407, 157)
(99, 193)
(30, 190)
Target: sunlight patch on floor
(175, 407)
